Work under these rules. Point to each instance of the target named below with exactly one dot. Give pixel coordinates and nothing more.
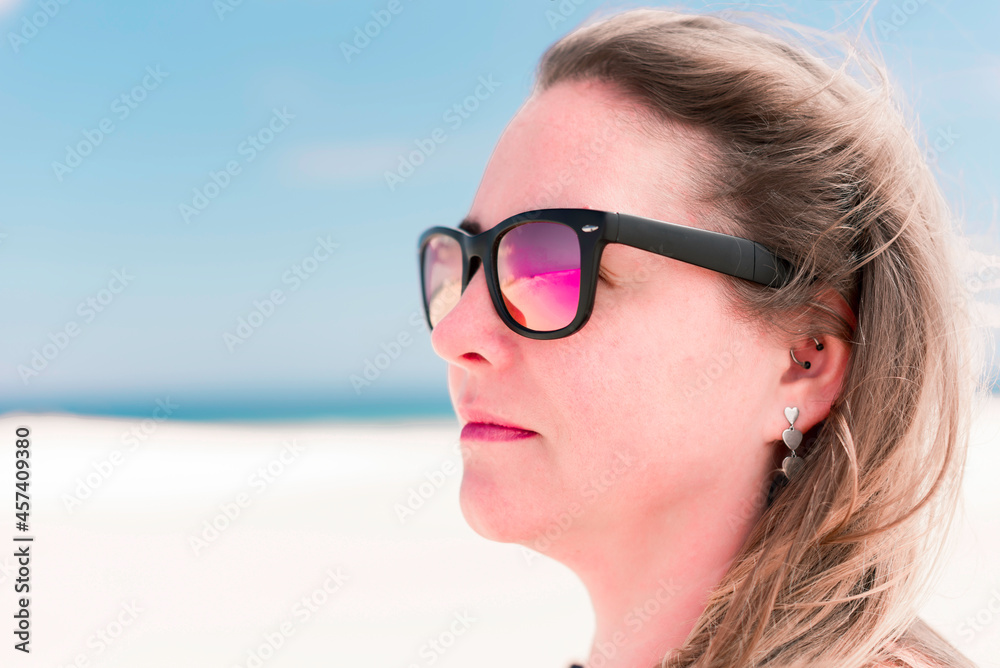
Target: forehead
(586, 145)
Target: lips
(482, 426)
(483, 431)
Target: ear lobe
(818, 386)
(824, 361)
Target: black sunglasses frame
(719, 252)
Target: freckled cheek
(572, 377)
(599, 385)
(657, 370)
(574, 374)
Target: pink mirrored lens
(442, 276)
(538, 265)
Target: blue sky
(228, 151)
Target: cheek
(648, 343)
(647, 376)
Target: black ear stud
(805, 365)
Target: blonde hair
(818, 163)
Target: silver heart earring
(792, 437)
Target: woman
(715, 361)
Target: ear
(813, 390)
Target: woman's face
(657, 404)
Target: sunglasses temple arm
(720, 252)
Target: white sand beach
(209, 544)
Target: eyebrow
(470, 226)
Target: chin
(493, 514)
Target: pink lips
(483, 431)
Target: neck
(648, 585)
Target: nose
(472, 332)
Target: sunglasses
(542, 266)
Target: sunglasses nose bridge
(462, 301)
(474, 263)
